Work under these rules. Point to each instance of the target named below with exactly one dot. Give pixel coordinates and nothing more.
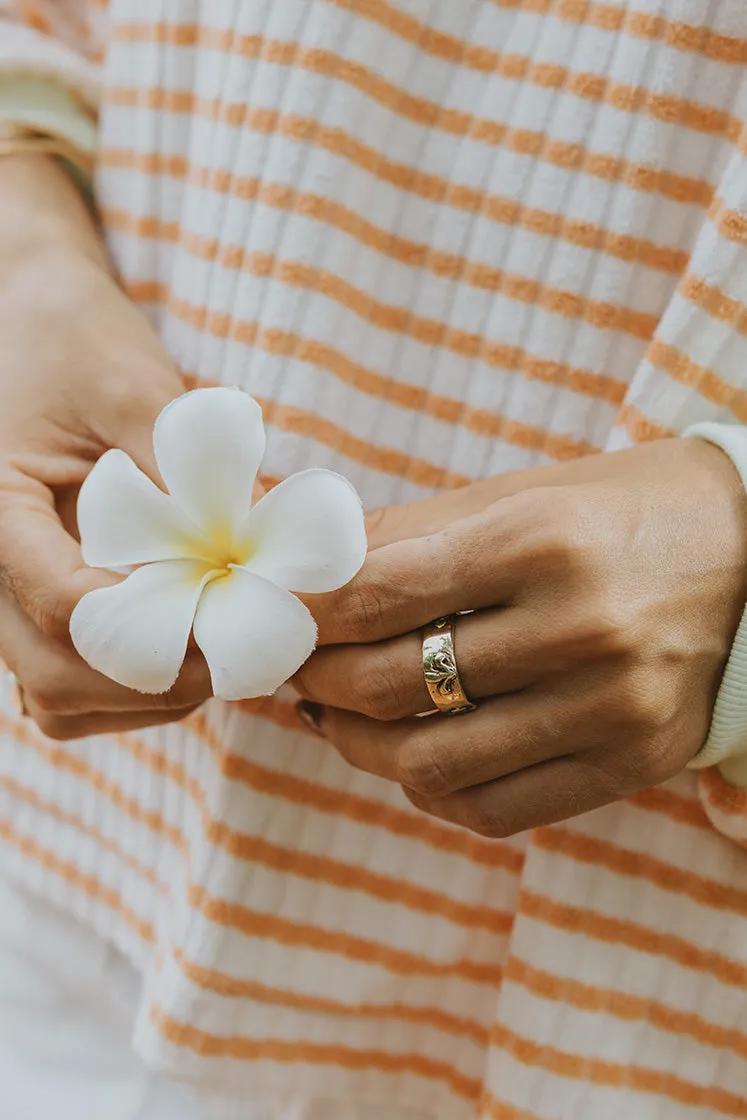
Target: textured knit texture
(437, 240)
(726, 745)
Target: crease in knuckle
(367, 611)
(377, 692)
(420, 770)
(487, 820)
(49, 694)
(50, 611)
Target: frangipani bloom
(202, 559)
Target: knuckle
(377, 692)
(487, 820)
(366, 610)
(50, 609)
(607, 628)
(56, 727)
(643, 703)
(49, 693)
(419, 768)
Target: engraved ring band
(440, 668)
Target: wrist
(45, 217)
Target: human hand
(81, 371)
(605, 605)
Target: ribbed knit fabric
(438, 239)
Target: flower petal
(124, 519)
(136, 632)
(254, 635)
(308, 534)
(209, 444)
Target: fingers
(497, 651)
(57, 682)
(41, 566)
(100, 723)
(439, 755)
(466, 566)
(540, 795)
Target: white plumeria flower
(201, 558)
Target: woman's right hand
(81, 370)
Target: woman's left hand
(605, 604)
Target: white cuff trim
(726, 745)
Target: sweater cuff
(726, 745)
(47, 107)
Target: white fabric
(726, 745)
(67, 1006)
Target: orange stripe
(716, 302)
(731, 224)
(240, 1047)
(251, 849)
(77, 879)
(307, 130)
(431, 332)
(232, 988)
(34, 18)
(387, 460)
(621, 1005)
(710, 386)
(513, 67)
(302, 422)
(492, 1108)
(428, 331)
(520, 68)
(686, 37)
(447, 409)
(684, 810)
(296, 933)
(245, 1049)
(325, 799)
(73, 820)
(259, 850)
(599, 1072)
(616, 931)
(497, 208)
(641, 865)
(63, 759)
(284, 931)
(726, 798)
(638, 426)
(353, 877)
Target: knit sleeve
(693, 380)
(54, 40)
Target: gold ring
(440, 668)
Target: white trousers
(67, 1005)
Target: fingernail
(310, 715)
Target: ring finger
(497, 652)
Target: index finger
(468, 565)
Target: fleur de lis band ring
(440, 668)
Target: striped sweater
(437, 239)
